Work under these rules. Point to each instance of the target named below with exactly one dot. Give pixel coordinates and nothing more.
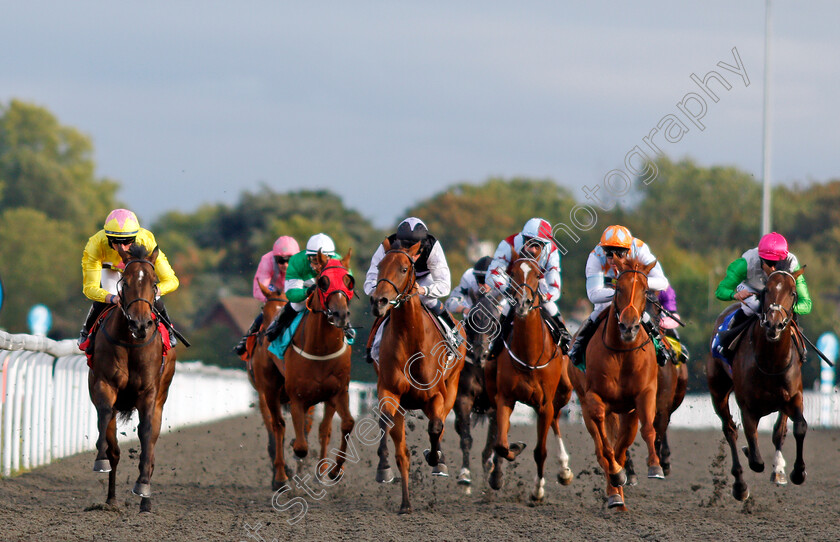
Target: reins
(618, 315)
(402, 295)
(124, 307)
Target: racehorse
(129, 371)
(472, 403)
(766, 377)
(270, 384)
(318, 362)
(417, 368)
(621, 378)
(531, 369)
(671, 384)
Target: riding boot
(739, 321)
(240, 347)
(576, 353)
(663, 350)
(448, 322)
(369, 347)
(95, 310)
(281, 322)
(559, 332)
(161, 308)
(498, 341)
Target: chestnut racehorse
(766, 377)
(129, 371)
(531, 369)
(318, 361)
(621, 378)
(672, 382)
(417, 369)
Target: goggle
(770, 263)
(615, 252)
(281, 260)
(121, 240)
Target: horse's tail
(125, 405)
(124, 416)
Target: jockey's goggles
(615, 251)
(121, 240)
(770, 263)
(282, 259)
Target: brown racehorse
(766, 377)
(533, 370)
(270, 384)
(415, 370)
(672, 382)
(129, 371)
(318, 363)
(621, 378)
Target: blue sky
(386, 103)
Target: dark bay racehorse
(472, 404)
(129, 371)
(621, 378)
(531, 369)
(417, 370)
(766, 377)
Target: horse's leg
(623, 432)
(103, 396)
(565, 476)
(300, 445)
(434, 410)
(720, 386)
(325, 428)
(384, 475)
(268, 422)
(148, 432)
(778, 476)
(114, 459)
(751, 450)
(280, 476)
(463, 407)
(660, 424)
(800, 427)
(545, 417)
(487, 454)
(595, 418)
(501, 448)
(342, 406)
(646, 411)
(629, 467)
(397, 431)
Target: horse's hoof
(565, 476)
(405, 509)
(101, 465)
(614, 501)
(755, 466)
(741, 492)
(778, 478)
(495, 479)
(464, 477)
(619, 478)
(666, 468)
(276, 486)
(142, 490)
(385, 476)
(488, 465)
(145, 505)
(798, 477)
(440, 470)
(632, 480)
(656, 472)
(429, 458)
(516, 448)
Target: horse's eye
(404, 270)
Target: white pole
(766, 147)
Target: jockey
(301, 275)
(102, 266)
(537, 243)
(472, 285)
(668, 301)
(616, 242)
(747, 276)
(271, 273)
(430, 269)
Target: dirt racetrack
(210, 481)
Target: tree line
(696, 220)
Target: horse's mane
(138, 252)
(633, 262)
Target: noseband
(402, 295)
(788, 313)
(615, 297)
(123, 305)
(534, 292)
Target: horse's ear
(766, 268)
(123, 254)
(649, 267)
(264, 289)
(386, 245)
(345, 261)
(153, 256)
(414, 250)
(322, 258)
(798, 272)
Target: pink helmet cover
(285, 246)
(773, 246)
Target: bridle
(788, 313)
(534, 291)
(618, 314)
(124, 308)
(534, 304)
(402, 295)
(325, 304)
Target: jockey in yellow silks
(102, 265)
